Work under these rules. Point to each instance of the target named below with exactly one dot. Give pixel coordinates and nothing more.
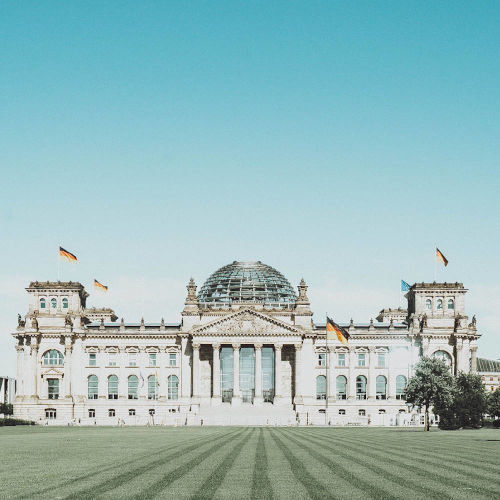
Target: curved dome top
(253, 282)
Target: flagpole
(435, 264)
(58, 265)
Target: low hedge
(4, 422)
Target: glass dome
(247, 282)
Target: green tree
(494, 403)
(6, 409)
(470, 400)
(432, 385)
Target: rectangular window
(91, 413)
(381, 411)
(341, 412)
(132, 359)
(341, 359)
(172, 359)
(111, 412)
(53, 388)
(322, 359)
(361, 359)
(152, 359)
(381, 360)
(92, 359)
(131, 412)
(112, 359)
(361, 413)
(50, 414)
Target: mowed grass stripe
(161, 460)
(281, 476)
(431, 447)
(314, 488)
(261, 485)
(442, 483)
(96, 471)
(180, 471)
(469, 469)
(215, 479)
(389, 483)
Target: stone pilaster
(298, 373)
(185, 378)
(351, 381)
(216, 382)
(196, 370)
(236, 374)
(372, 374)
(258, 374)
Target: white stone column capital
(258, 346)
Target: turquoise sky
(338, 141)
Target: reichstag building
(246, 352)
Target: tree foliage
(494, 403)
(431, 386)
(6, 409)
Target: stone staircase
(246, 414)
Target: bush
(6, 409)
(5, 422)
(496, 424)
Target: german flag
(100, 286)
(441, 257)
(67, 255)
(334, 331)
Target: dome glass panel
(246, 282)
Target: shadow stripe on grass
(476, 455)
(130, 475)
(369, 488)
(99, 470)
(210, 486)
(427, 458)
(314, 489)
(158, 486)
(417, 470)
(261, 485)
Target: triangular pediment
(247, 321)
(52, 371)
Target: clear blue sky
(338, 141)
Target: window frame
(53, 387)
(93, 395)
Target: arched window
(444, 356)
(428, 304)
(65, 303)
(113, 387)
(53, 358)
(173, 387)
(93, 386)
(152, 387)
(381, 387)
(439, 304)
(53, 303)
(451, 304)
(341, 387)
(320, 387)
(400, 387)
(42, 303)
(361, 387)
(133, 385)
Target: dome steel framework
(247, 282)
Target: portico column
(185, 370)
(236, 373)
(20, 371)
(216, 372)
(258, 373)
(331, 374)
(372, 376)
(196, 370)
(67, 368)
(297, 374)
(34, 367)
(473, 359)
(351, 383)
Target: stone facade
(245, 361)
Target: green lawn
(218, 462)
